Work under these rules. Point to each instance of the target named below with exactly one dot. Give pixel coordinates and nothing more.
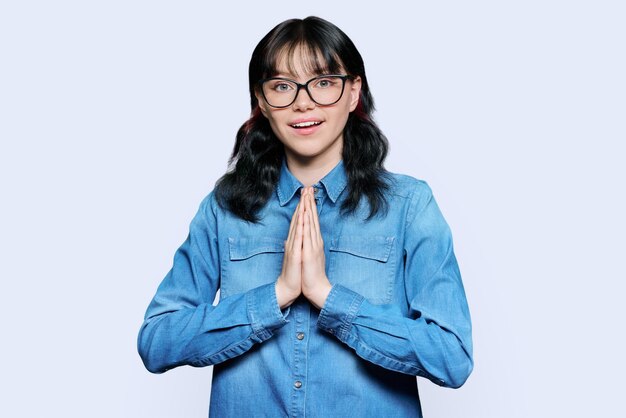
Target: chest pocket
(252, 262)
(364, 265)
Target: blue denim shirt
(397, 308)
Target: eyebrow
(286, 75)
(293, 77)
(290, 75)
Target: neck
(310, 170)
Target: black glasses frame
(305, 86)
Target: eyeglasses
(324, 90)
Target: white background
(117, 117)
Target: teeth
(305, 124)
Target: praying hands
(303, 270)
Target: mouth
(305, 125)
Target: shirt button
(297, 384)
(300, 335)
(315, 190)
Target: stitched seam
(204, 219)
(348, 318)
(399, 366)
(209, 357)
(411, 218)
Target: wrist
(284, 295)
(318, 295)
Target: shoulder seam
(410, 217)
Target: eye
(324, 83)
(280, 86)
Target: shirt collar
(334, 182)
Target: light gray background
(117, 117)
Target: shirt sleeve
(182, 326)
(434, 340)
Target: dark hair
(258, 153)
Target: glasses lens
(326, 90)
(279, 92)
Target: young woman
(338, 281)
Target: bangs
(311, 58)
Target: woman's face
(321, 142)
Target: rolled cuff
(263, 310)
(339, 310)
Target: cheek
(341, 116)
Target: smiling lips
(305, 123)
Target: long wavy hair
(255, 163)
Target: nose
(303, 101)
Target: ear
(355, 92)
(261, 102)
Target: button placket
(299, 364)
(318, 199)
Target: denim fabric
(397, 308)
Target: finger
(293, 225)
(317, 233)
(297, 244)
(294, 218)
(311, 212)
(294, 235)
(306, 244)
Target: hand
(315, 284)
(289, 284)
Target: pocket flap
(376, 247)
(245, 247)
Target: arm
(434, 341)
(181, 326)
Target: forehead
(302, 61)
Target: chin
(310, 151)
